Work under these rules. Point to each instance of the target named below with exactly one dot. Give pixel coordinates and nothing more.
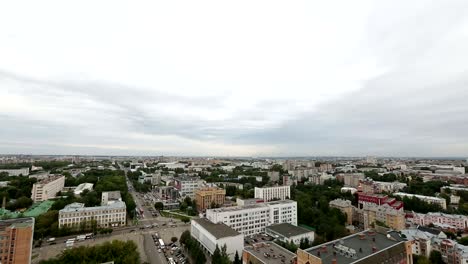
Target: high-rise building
(47, 188)
(16, 239)
(272, 193)
(207, 197)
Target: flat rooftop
(358, 246)
(217, 230)
(18, 223)
(271, 253)
(288, 230)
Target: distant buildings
(84, 186)
(350, 179)
(378, 199)
(206, 197)
(370, 186)
(290, 233)
(16, 240)
(210, 235)
(325, 167)
(47, 188)
(188, 185)
(289, 180)
(16, 172)
(267, 253)
(365, 247)
(273, 193)
(252, 219)
(274, 176)
(428, 199)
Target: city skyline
(234, 79)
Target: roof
(288, 230)
(75, 207)
(271, 253)
(219, 230)
(17, 223)
(362, 245)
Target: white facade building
(84, 186)
(427, 199)
(270, 193)
(210, 235)
(47, 188)
(111, 215)
(16, 172)
(252, 219)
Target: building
(267, 253)
(378, 199)
(452, 221)
(274, 176)
(16, 172)
(47, 188)
(289, 180)
(110, 197)
(325, 167)
(168, 193)
(290, 233)
(253, 219)
(209, 197)
(385, 214)
(111, 215)
(84, 186)
(273, 193)
(210, 235)
(367, 247)
(251, 201)
(370, 186)
(188, 185)
(16, 240)
(257, 178)
(351, 179)
(427, 199)
(344, 206)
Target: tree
(216, 258)
(237, 260)
(174, 239)
(159, 206)
(436, 257)
(185, 237)
(185, 219)
(463, 241)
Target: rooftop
(288, 230)
(217, 230)
(17, 223)
(355, 247)
(75, 207)
(51, 178)
(271, 253)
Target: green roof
(34, 211)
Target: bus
(161, 243)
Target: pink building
(459, 222)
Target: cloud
(243, 78)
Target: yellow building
(206, 197)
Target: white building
(271, 193)
(290, 233)
(110, 215)
(252, 219)
(210, 235)
(257, 178)
(84, 186)
(16, 172)
(427, 199)
(110, 197)
(47, 188)
(188, 185)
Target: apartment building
(253, 219)
(188, 185)
(378, 199)
(16, 239)
(16, 172)
(427, 199)
(110, 215)
(370, 186)
(350, 179)
(385, 214)
(47, 188)
(272, 193)
(344, 206)
(452, 221)
(206, 197)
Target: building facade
(459, 222)
(16, 240)
(272, 193)
(344, 206)
(188, 185)
(47, 188)
(253, 219)
(428, 199)
(16, 172)
(206, 197)
(111, 215)
(385, 214)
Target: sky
(234, 78)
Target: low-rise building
(378, 199)
(210, 235)
(370, 186)
(459, 222)
(16, 240)
(427, 199)
(110, 197)
(47, 188)
(273, 193)
(385, 214)
(110, 215)
(290, 233)
(209, 197)
(370, 246)
(344, 206)
(83, 186)
(267, 253)
(16, 172)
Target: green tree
(185, 237)
(216, 258)
(463, 241)
(159, 206)
(436, 257)
(185, 219)
(237, 260)
(174, 239)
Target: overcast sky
(234, 78)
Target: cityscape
(234, 132)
